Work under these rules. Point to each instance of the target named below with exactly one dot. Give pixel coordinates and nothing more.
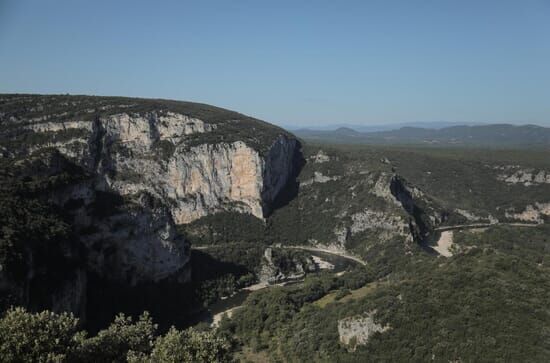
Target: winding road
(445, 240)
(304, 248)
(329, 251)
(483, 225)
(443, 248)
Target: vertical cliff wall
(150, 169)
(150, 153)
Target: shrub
(40, 337)
(185, 346)
(123, 335)
(51, 337)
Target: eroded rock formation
(148, 168)
(356, 330)
(148, 152)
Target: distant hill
(495, 136)
(387, 126)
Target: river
(214, 312)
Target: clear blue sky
(291, 62)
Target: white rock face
(60, 126)
(533, 213)
(148, 152)
(207, 177)
(199, 180)
(472, 217)
(382, 189)
(143, 130)
(320, 157)
(147, 159)
(527, 177)
(357, 330)
(319, 178)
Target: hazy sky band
(306, 62)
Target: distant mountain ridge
(387, 126)
(494, 135)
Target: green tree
(40, 337)
(50, 337)
(123, 335)
(186, 346)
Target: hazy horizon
(304, 65)
(321, 126)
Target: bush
(341, 293)
(51, 337)
(113, 343)
(41, 337)
(186, 346)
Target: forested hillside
(220, 238)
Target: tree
(185, 346)
(40, 337)
(123, 335)
(50, 337)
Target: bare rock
(357, 330)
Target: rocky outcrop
(512, 174)
(472, 217)
(149, 153)
(281, 164)
(369, 219)
(387, 226)
(535, 213)
(357, 330)
(136, 242)
(422, 217)
(127, 239)
(208, 178)
(320, 157)
(318, 177)
(283, 265)
(78, 230)
(149, 165)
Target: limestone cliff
(149, 153)
(149, 165)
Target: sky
(293, 63)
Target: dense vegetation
(220, 271)
(37, 246)
(487, 303)
(467, 179)
(50, 337)
(449, 180)
(315, 211)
